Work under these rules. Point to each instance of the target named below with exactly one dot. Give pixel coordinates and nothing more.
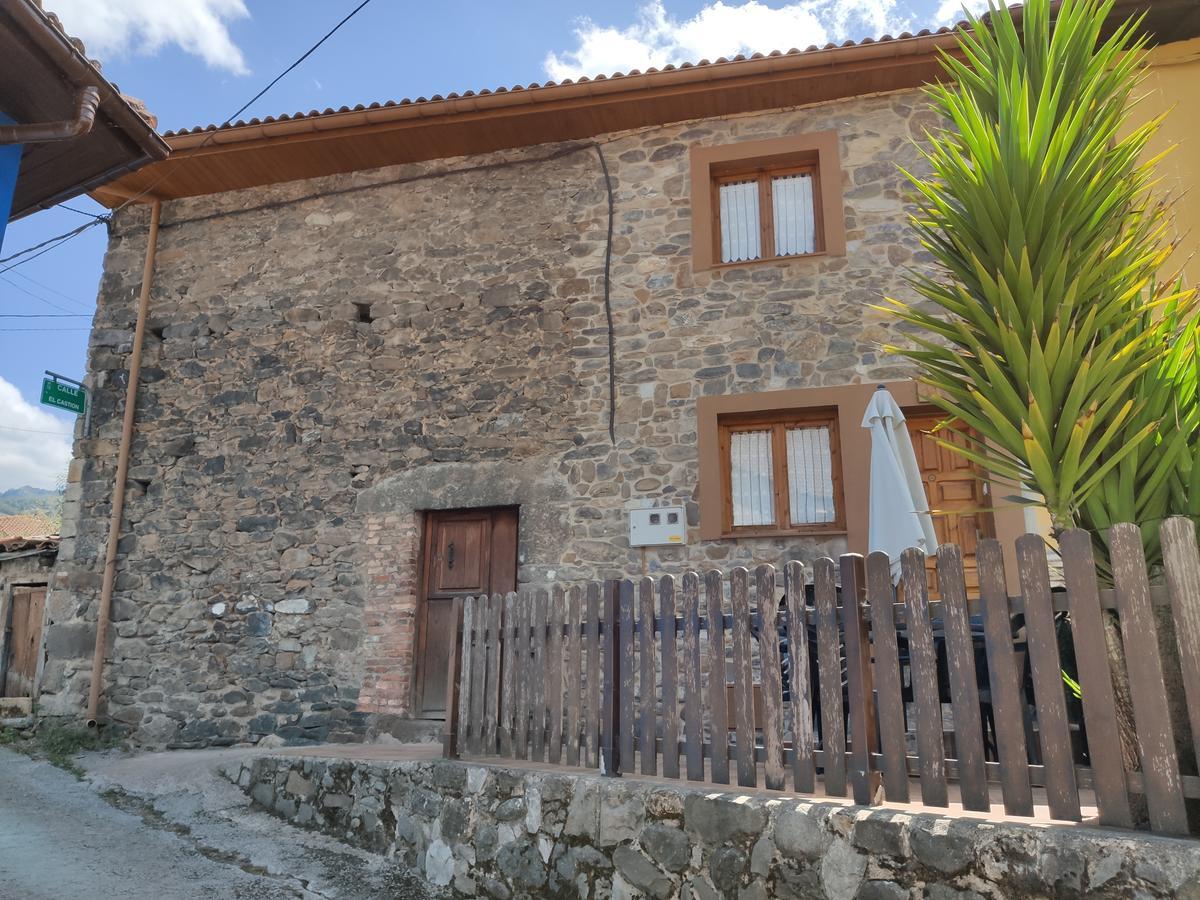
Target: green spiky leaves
(1045, 331)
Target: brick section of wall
(390, 614)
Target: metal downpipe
(104, 614)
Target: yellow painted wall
(1173, 85)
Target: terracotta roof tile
(27, 527)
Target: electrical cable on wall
(612, 350)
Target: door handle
(450, 556)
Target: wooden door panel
(25, 639)
(461, 558)
(467, 553)
(956, 496)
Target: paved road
(62, 839)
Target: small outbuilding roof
(28, 527)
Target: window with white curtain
(751, 478)
(798, 453)
(810, 476)
(767, 215)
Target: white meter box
(657, 527)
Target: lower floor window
(781, 472)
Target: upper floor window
(768, 213)
(766, 200)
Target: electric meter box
(657, 527)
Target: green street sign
(63, 396)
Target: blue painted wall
(10, 162)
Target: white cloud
(28, 455)
(951, 11)
(721, 29)
(115, 27)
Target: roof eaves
(705, 71)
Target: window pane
(740, 235)
(750, 478)
(810, 476)
(795, 220)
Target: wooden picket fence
(624, 676)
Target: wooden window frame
(815, 152)
(766, 211)
(780, 422)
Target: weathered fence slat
(1152, 718)
(574, 683)
(627, 674)
(610, 701)
(451, 741)
(1095, 679)
(592, 641)
(829, 665)
(467, 675)
(554, 659)
(923, 660)
(537, 702)
(864, 780)
(648, 727)
(1054, 732)
(670, 674)
(803, 771)
(479, 688)
(523, 675)
(491, 708)
(743, 677)
(893, 742)
(964, 689)
(693, 719)
(1004, 680)
(508, 675)
(1181, 560)
(714, 593)
(772, 684)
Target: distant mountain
(28, 500)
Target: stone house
(404, 352)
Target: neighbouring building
(64, 128)
(404, 352)
(28, 548)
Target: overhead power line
(51, 243)
(44, 316)
(33, 430)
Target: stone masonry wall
(475, 831)
(328, 358)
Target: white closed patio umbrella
(899, 512)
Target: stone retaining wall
(496, 832)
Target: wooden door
(957, 497)
(24, 640)
(466, 553)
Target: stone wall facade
(475, 831)
(328, 359)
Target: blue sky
(196, 61)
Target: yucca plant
(1048, 338)
(1046, 333)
